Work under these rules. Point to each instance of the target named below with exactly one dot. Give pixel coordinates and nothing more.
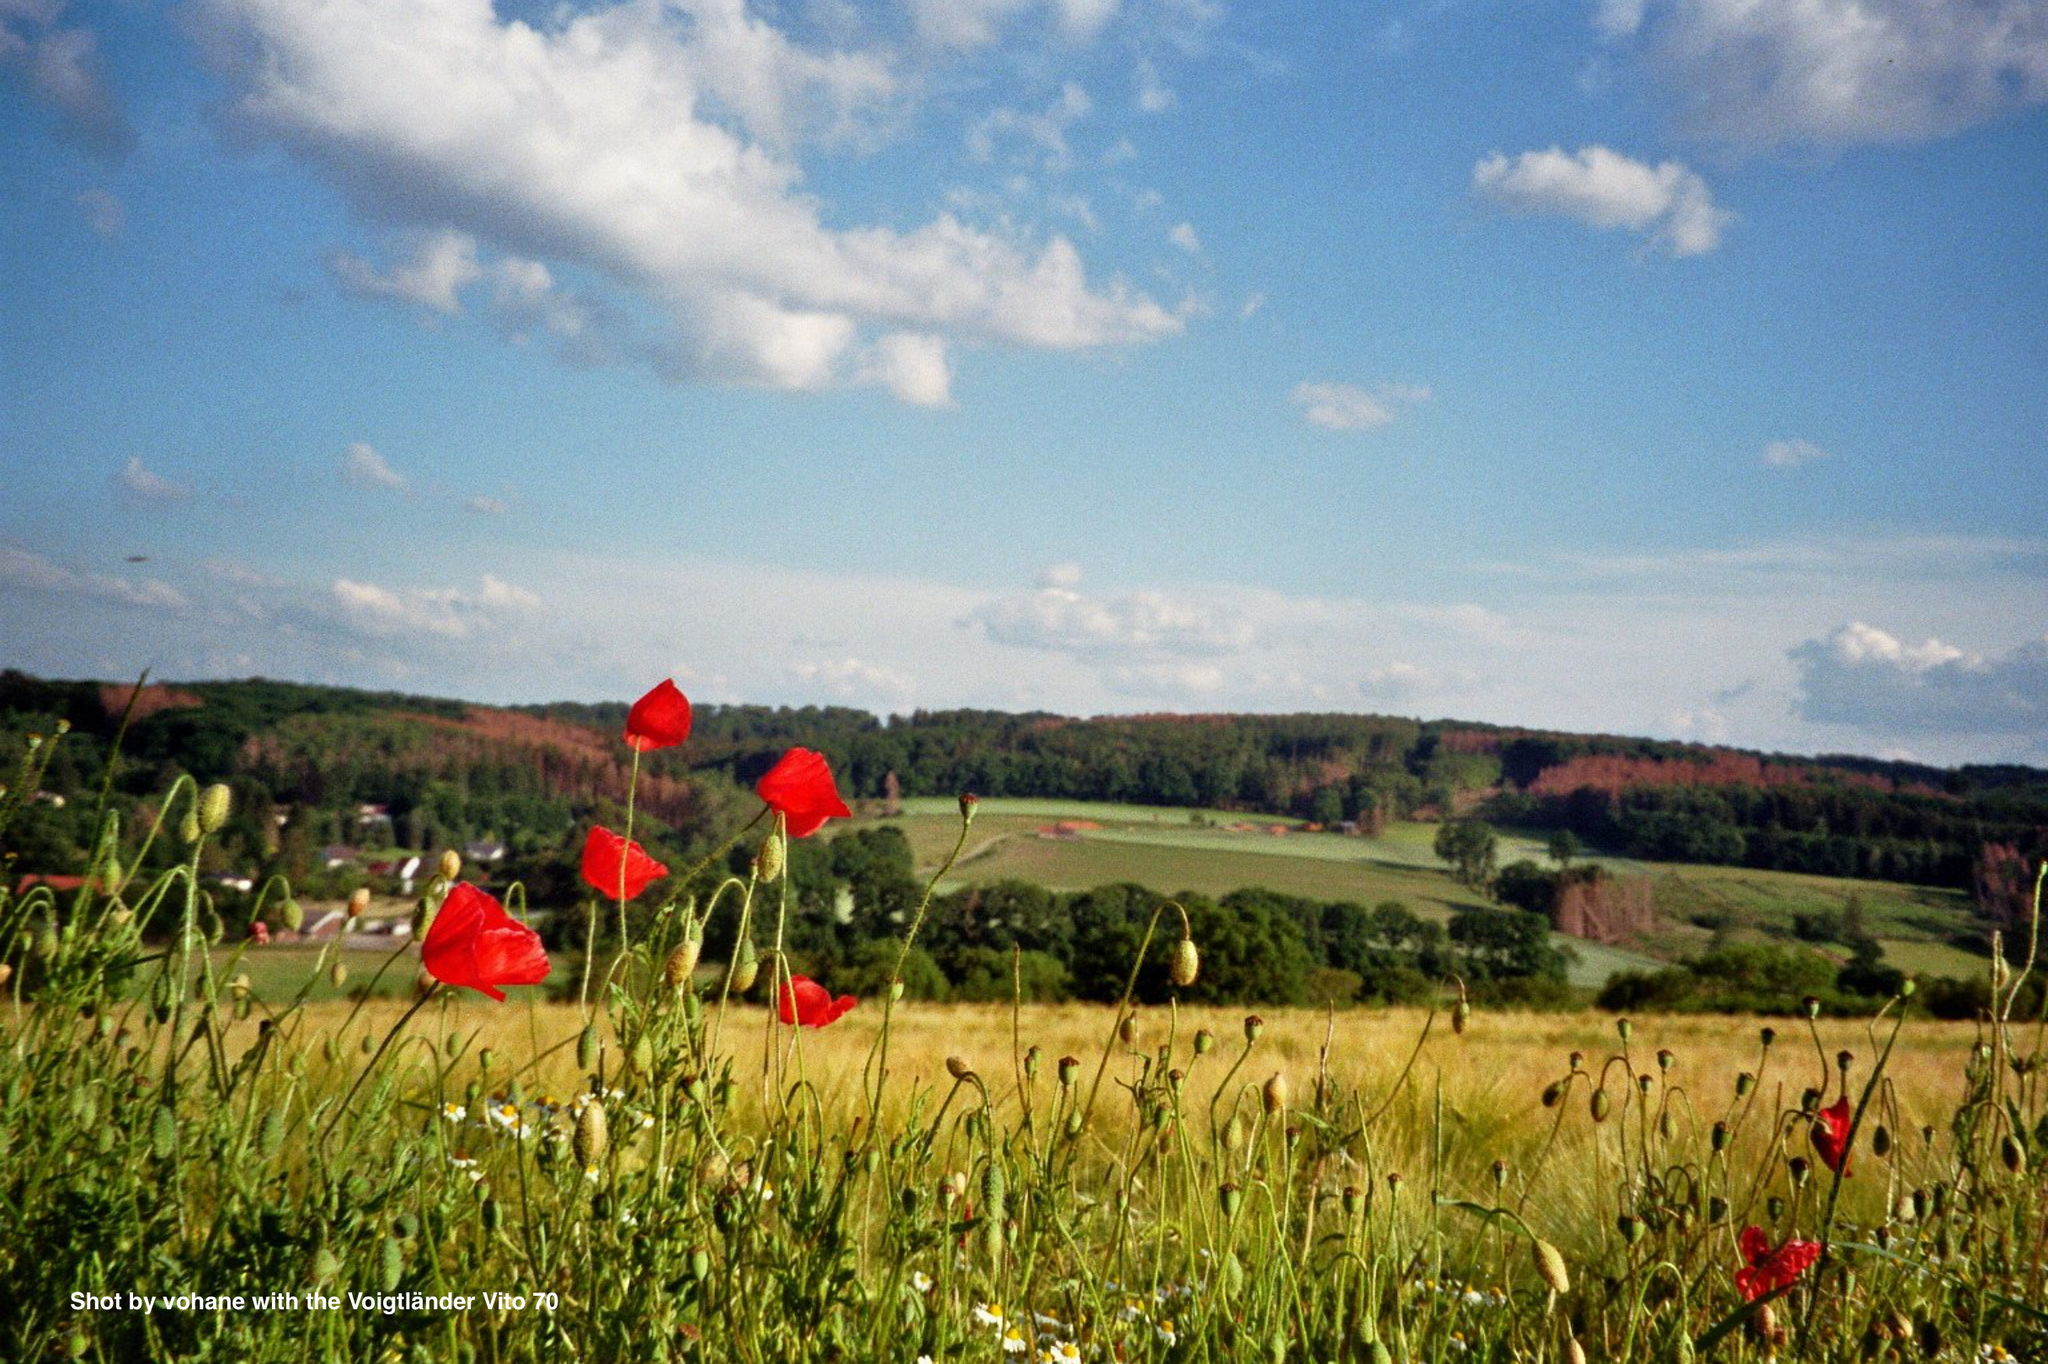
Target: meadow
(214, 1151)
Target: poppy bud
(591, 1134)
(1881, 1141)
(993, 1190)
(1717, 1209)
(293, 915)
(1843, 1060)
(1775, 1206)
(1578, 1058)
(1233, 1133)
(1630, 1226)
(1033, 1058)
(642, 1055)
(700, 1263)
(1550, 1267)
(681, 962)
(1744, 1083)
(1253, 1027)
(746, 967)
(1797, 1168)
(358, 901)
(1185, 965)
(895, 988)
(1600, 1105)
(1552, 1093)
(586, 1049)
(486, 1058)
(337, 975)
(1575, 1353)
(1767, 1036)
(213, 807)
(1907, 988)
(958, 1069)
(2012, 1155)
(1812, 1006)
(1205, 1041)
(6, 973)
(768, 862)
(188, 828)
(1461, 1015)
(1718, 1138)
(1274, 1093)
(1074, 1122)
(1500, 1174)
(1666, 1058)
(1667, 1125)
(1231, 1197)
(1127, 1030)
(1351, 1198)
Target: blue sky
(1673, 367)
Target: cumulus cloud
(138, 482)
(912, 367)
(1790, 454)
(1347, 407)
(1154, 95)
(967, 24)
(1838, 72)
(440, 612)
(653, 147)
(62, 69)
(850, 679)
(25, 572)
(1041, 133)
(1861, 675)
(1183, 236)
(363, 467)
(1064, 620)
(1601, 188)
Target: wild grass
(674, 1173)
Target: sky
(1661, 367)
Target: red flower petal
(474, 942)
(810, 1004)
(660, 719)
(1830, 1135)
(801, 788)
(615, 867)
(1770, 1270)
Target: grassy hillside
(1170, 850)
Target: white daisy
(1014, 1342)
(921, 1281)
(988, 1314)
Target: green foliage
(1470, 848)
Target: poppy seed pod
(969, 802)
(1205, 1041)
(214, 803)
(1274, 1093)
(768, 862)
(1550, 1267)
(1352, 1196)
(746, 967)
(1461, 1015)
(358, 901)
(1744, 1083)
(1254, 1026)
(1625, 1027)
(592, 1135)
(1033, 1059)
(1068, 1068)
(1185, 965)
(451, 864)
(681, 962)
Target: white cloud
(486, 506)
(440, 612)
(1861, 675)
(912, 367)
(1841, 72)
(1182, 681)
(1605, 189)
(1347, 407)
(1790, 454)
(363, 467)
(440, 266)
(1154, 95)
(966, 24)
(1253, 302)
(1066, 575)
(1183, 236)
(850, 679)
(138, 482)
(104, 213)
(651, 146)
(1618, 18)
(1143, 623)
(1043, 134)
(25, 572)
(61, 68)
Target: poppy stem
(432, 989)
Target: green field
(1170, 851)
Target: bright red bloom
(474, 942)
(617, 866)
(660, 719)
(811, 1004)
(800, 786)
(260, 931)
(1770, 1270)
(1831, 1136)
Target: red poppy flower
(616, 866)
(811, 1004)
(1831, 1136)
(260, 931)
(800, 786)
(1770, 1270)
(474, 942)
(660, 719)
